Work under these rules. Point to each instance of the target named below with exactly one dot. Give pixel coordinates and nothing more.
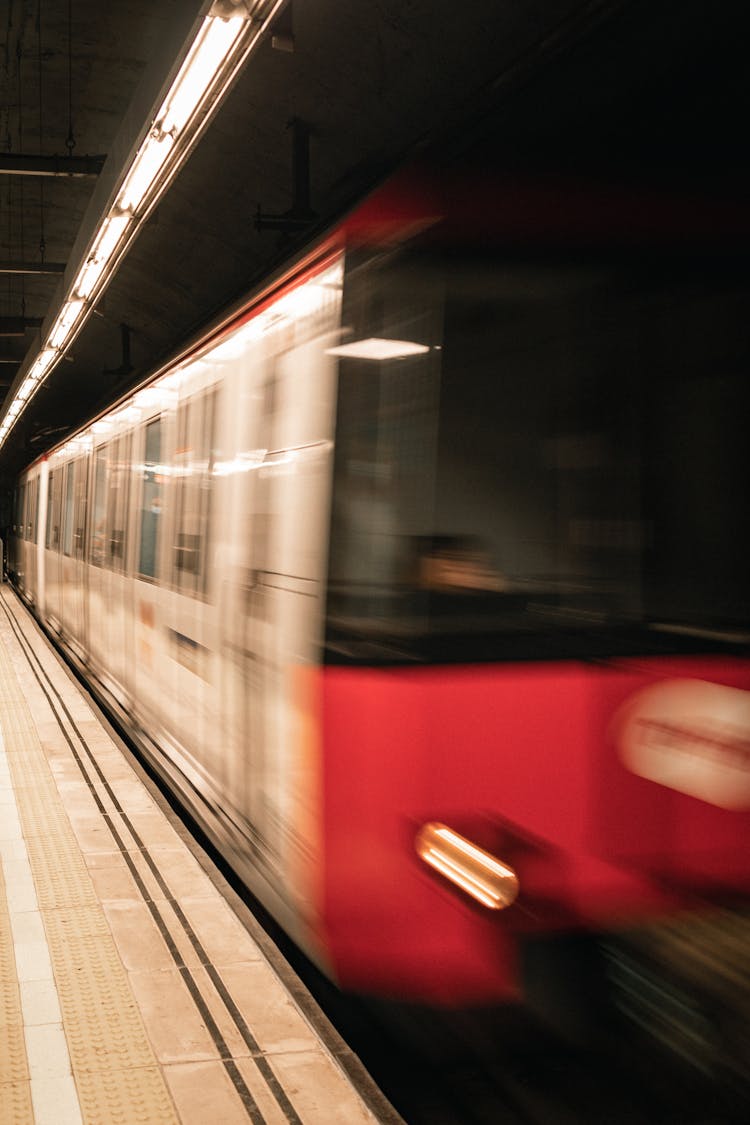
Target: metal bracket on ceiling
(126, 366)
(230, 9)
(60, 167)
(300, 214)
(18, 325)
(32, 267)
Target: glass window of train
(69, 508)
(207, 476)
(34, 510)
(98, 520)
(20, 509)
(81, 497)
(26, 529)
(48, 532)
(181, 559)
(384, 457)
(151, 501)
(194, 465)
(31, 513)
(114, 537)
(54, 510)
(119, 512)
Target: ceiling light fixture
(224, 41)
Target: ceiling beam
(66, 167)
(18, 325)
(32, 267)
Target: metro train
(421, 576)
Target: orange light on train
(475, 871)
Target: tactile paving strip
(62, 881)
(15, 1091)
(114, 1066)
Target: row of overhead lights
(219, 49)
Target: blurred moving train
(422, 576)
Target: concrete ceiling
(634, 87)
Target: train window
(69, 508)
(117, 503)
(387, 413)
(26, 526)
(20, 510)
(50, 493)
(151, 500)
(30, 513)
(556, 476)
(193, 473)
(99, 515)
(35, 519)
(54, 507)
(81, 499)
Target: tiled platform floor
(130, 990)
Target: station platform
(134, 985)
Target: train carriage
(422, 577)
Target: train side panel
(185, 548)
(529, 763)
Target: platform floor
(133, 988)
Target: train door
(120, 612)
(148, 650)
(53, 598)
(97, 577)
(19, 550)
(273, 623)
(29, 532)
(188, 610)
(39, 543)
(74, 601)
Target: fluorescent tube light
(211, 47)
(218, 49)
(67, 318)
(145, 168)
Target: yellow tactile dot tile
(41, 817)
(15, 1103)
(101, 1019)
(13, 1066)
(113, 1064)
(125, 1097)
(60, 874)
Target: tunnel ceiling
(644, 87)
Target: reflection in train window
(34, 509)
(27, 531)
(151, 501)
(117, 504)
(70, 475)
(535, 475)
(20, 509)
(98, 523)
(194, 456)
(53, 510)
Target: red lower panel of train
(617, 792)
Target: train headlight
(480, 874)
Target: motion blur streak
(469, 867)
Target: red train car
(467, 596)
